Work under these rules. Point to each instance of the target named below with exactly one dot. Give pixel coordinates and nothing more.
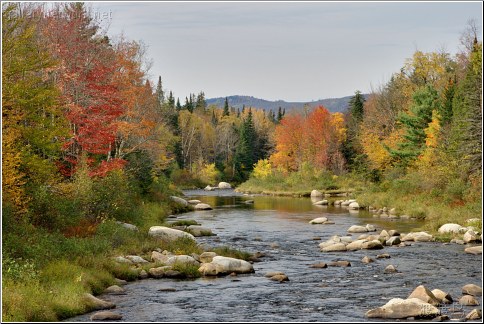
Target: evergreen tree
(226, 108)
(178, 105)
(238, 113)
(354, 116)
(415, 122)
(214, 118)
(160, 95)
(279, 115)
(189, 104)
(356, 104)
(171, 100)
(245, 156)
(200, 103)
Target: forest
(88, 139)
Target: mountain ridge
(238, 101)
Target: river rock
(390, 269)
(207, 257)
(393, 233)
(471, 289)
(279, 277)
(202, 206)
(128, 226)
(320, 265)
(321, 203)
(224, 185)
(136, 259)
(120, 282)
(95, 303)
(273, 273)
(179, 201)
(385, 234)
(354, 205)
(168, 234)
(473, 315)
(450, 228)
(340, 264)
(143, 274)
(394, 240)
(346, 239)
(468, 300)
(337, 247)
(474, 250)
(392, 211)
(355, 245)
(106, 316)
(383, 256)
(319, 220)
(209, 188)
(357, 229)
(417, 237)
(197, 230)
(442, 296)
(316, 193)
(225, 265)
(398, 308)
(183, 260)
(114, 290)
(194, 201)
(160, 257)
(366, 259)
(372, 245)
(208, 269)
(370, 228)
(470, 237)
(424, 294)
(120, 259)
(159, 272)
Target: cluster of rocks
(221, 185)
(464, 235)
(196, 204)
(277, 276)
(423, 303)
(367, 241)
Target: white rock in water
(197, 230)
(168, 234)
(179, 200)
(404, 308)
(450, 228)
(319, 220)
(354, 205)
(316, 193)
(182, 259)
(321, 202)
(474, 250)
(225, 265)
(203, 207)
(194, 201)
(224, 185)
(357, 229)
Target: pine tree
(351, 147)
(214, 118)
(279, 115)
(415, 122)
(160, 95)
(226, 108)
(171, 100)
(356, 104)
(200, 103)
(178, 105)
(245, 156)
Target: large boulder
(355, 245)
(468, 300)
(470, 237)
(337, 247)
(450, 228)
(95, 303)
(316, 193)
(442, 296)
(225, 265)
(202, 206)
(424, 295)
(394, 240)
(224, 185)
(207, 257)
(168, 234)
(398, 308)
(179, 201)
(197, 230)
(372, 245)
(354, 205)
(471, 289)
(114, 290)
(182, 259)
(357, 229)
(319, 220)
(194, 201)
(474, 249)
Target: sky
(288, 51)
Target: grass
(232, 253)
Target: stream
(279, 228)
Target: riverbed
(279, 228)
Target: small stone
(340, 264)
(474, 250)
(390, 269)
(471, 289)
(316, 238)
(474, 314)
(279, 277)
(233, 274)
(273, 273)
(143, 274)
(367, 259)
(383, 256)
(106, 316)
(168, 289)
(114, 290)
(120, 282)
(468, 300)
(319, 265)
(441, 318)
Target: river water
(279, 228)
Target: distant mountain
(332, 104)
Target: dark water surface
(279, 228)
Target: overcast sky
(288, 51)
